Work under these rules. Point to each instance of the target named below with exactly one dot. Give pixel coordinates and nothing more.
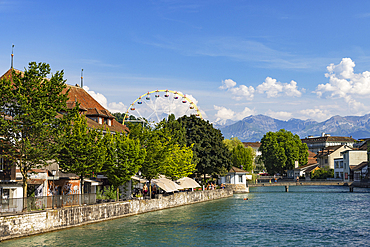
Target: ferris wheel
(156, 105)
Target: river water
(306, 216)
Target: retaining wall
(26, 224)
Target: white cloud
(97, 96)
(112, 107)
(117, 107)
(316, 114)
(274, 88)
(239, 93)
(228, 83)
(282, 115)
(344, 83)
(223, 114)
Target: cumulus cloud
(282, 115)
(223, 114)
(274, 88)
(112, 107)
(228, 83)
(344, 83)
(239, 93)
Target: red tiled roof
(252, 144)
(328, 139)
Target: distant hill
(253, 128)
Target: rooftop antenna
(12, 57)
(82, 78)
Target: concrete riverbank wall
(21, 225)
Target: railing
(14, 205)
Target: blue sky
(284, 59)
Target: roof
(311, 158)
(328, 150)
(92, 108)
(305, 167)
(236, 170)
(252, 144)
(311, 168)
(359, 166)
(343, 139)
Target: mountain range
(252, 128)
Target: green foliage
(124, 157)
(210, 153)
(119, 116)
(243, 157)
(179, 162)
(232, 143)
(322, 173)
(82, 149)
(31, 103)
(281, 149)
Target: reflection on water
(308, 216)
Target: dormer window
(100, 120)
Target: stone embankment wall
(21, 225)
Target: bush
(322, 173)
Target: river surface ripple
(306, 216)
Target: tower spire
(82, 78)
(11, 66)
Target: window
(326, 161)
(240, 178)
(228, 179)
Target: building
(326, 157)
(317, 144)
(360, 171)
(352, 158)
(236, 178)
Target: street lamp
(53, 172)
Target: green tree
(30, 103)
(157, 150)
(281, 149)
(210, 153)
(232, 143)
(82, 149)
(243, 157)
(119, 116)
(179, 162)
(322, 173)
(123, 159)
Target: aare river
(304, 216)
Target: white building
(352, 158)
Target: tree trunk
(24, 185)
(117, 198)
(150, 190)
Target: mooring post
(286, 188)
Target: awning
(93, 182)
(137, 178)
(167, 185)
(188, 183)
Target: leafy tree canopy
(210, 153)
(82, 149)
(30, 103)
(124, 157)
(281, 149)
